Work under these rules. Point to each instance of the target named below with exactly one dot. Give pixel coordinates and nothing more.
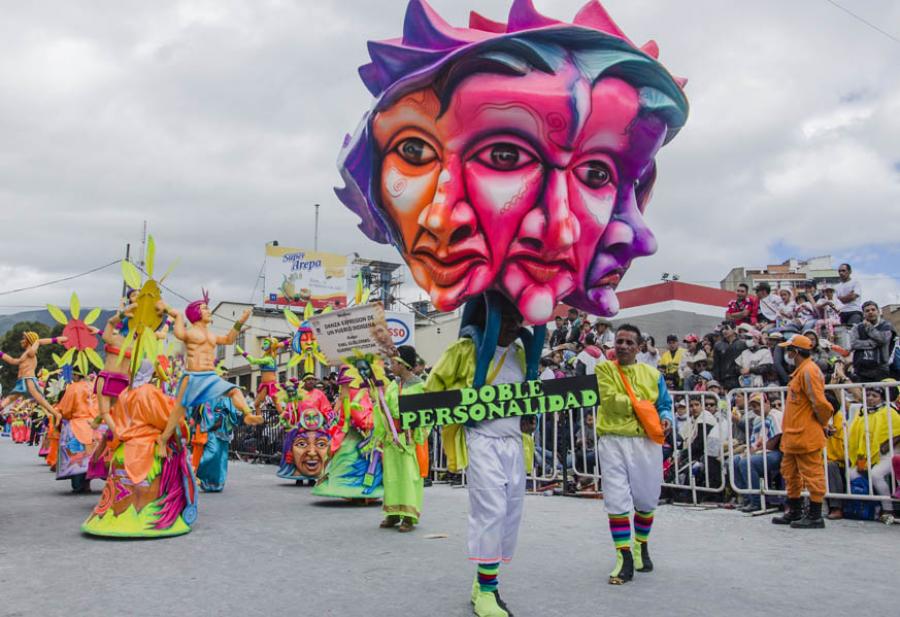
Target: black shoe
(812, 519)
(750, 508)
(428, 482)
(502, 604)
(624, 570)
(794, 513)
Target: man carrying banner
(634, 412)
(495, 471)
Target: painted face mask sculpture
(516, 157)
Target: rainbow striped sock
(488, 577)
(643, 522)
(620, 528)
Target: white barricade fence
(754, 457)
(693, 453)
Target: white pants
(631, 473)
(879, 476)
(496, 480)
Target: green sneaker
(624, 570)
(486, 605)
(641, 555)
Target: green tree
(11, 344)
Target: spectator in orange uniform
(806, 413)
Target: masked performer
(403, 482)
(515, 158)
(306, 447)
(145, 496)
(352, 473)
(201, 383)
(27, 383)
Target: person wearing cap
(829, 313)
(743, 309)
(874, 436)
(806, 414)
(687, 368)
(670, 360)
(603, 334)
(311, 396)
(761, 455)
(768, 303)
(403, 485)
(755, 362)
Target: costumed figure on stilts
(354, 471)
(145, 495)
(510, 164)
(403, 482)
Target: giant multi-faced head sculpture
(517, 157)
(306, 447)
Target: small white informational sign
(402, 327)
(361, 328)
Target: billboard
(297, 276)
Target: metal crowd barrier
(261, 442)
(853, 405)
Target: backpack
(856, 509)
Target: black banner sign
(497, 401)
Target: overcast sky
(219, 122)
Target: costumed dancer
(26, 383)
(352, 473)
(403, 483)
(462, 166)
(77, 437)
(633, 414)
(145, 495)
(216, 421)
(201, 383)
(491, 452)
(268, 367)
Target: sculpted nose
(563, 230)
(448, 218)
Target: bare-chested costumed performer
(26, 382)
(200, 383)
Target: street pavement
(268, 547)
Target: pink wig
(192, 312)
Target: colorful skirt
(74, 456)
(163, 504)
(351, 474)
(213, 466)
(101, 453)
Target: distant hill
(42, 316)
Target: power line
(863, 20)
(54, 282)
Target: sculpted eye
(504, 157)
(594, 174)
(416, 151)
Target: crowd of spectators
(716, 421)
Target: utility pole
(143, 247)
(316, 237)
(127, 256)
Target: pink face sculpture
(520, 162)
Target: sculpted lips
(610, 278)
(448, 270)
(538, 268)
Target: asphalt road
(267, 547)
